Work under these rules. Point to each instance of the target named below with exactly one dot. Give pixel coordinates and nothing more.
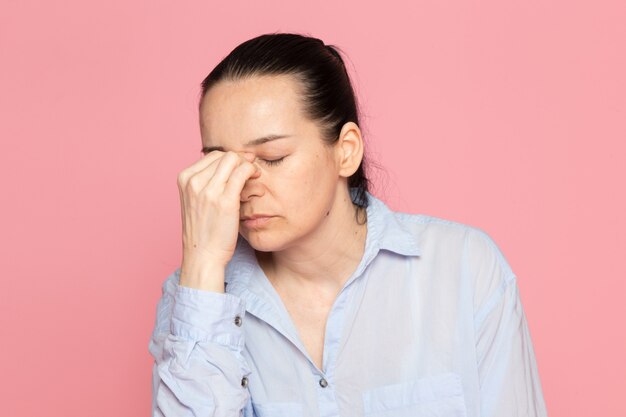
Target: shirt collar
(385, 229)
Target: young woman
(302, 294)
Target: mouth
(256, 220)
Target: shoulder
(436, 230)
(480, 259)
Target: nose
(253, 186)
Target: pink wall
(510, 116)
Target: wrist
(208, 276)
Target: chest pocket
(285, 409)
(439, 395)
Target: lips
(255, 216)
(256, 221)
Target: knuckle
(239, 173)
(194, 184)
(181, 178)
(231, 156)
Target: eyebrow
(255, 142)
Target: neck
(324, 259)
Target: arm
(507, 368)
(508, 374)
(197, 350)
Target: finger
(227, 164)
(248, 156)
(206, 161)
(200, 179)
(238, 178)
(215, 176)
(216, 173)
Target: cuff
(207, 316)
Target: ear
(349, 149)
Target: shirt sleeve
(197, 345)
(507, 367)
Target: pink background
(509, 116)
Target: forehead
(249, 108)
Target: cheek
(310, 186)
(302, 177)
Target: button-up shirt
(430, 323)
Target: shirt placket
(341, 313)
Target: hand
(210, 193)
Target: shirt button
(323, 383)
(238, 321)
(244, 382)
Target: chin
(263, 241)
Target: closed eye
(273, 161)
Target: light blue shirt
(429, 324)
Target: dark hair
(329, 98)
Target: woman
(302, 294)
